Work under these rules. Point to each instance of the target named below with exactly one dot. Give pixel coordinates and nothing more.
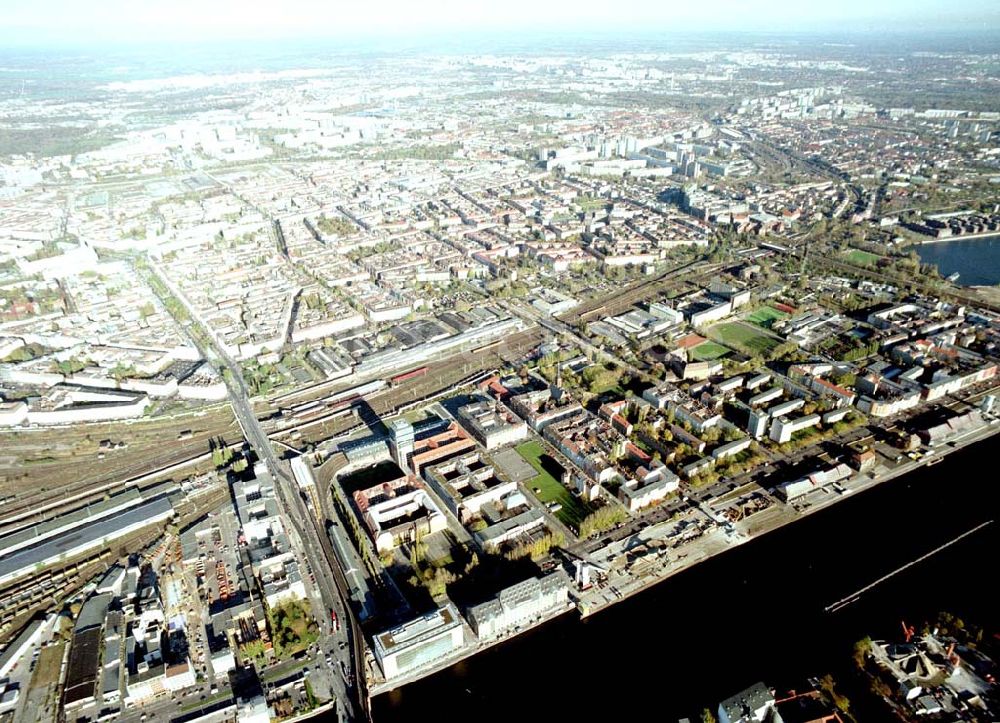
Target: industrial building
(957, 426)
(440, 446)
(56, 526)
(467, 483)
(520, 605)
(401, 438)
(398, 511)
(83, 539)
(80, 688)
(795, 489)
(508, 529)
(29, 636)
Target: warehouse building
(83, 539)
(520, 605)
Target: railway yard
(69, 464)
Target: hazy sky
(87, 21)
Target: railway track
(859, 272)
(641, 291)
(434, 383)
(39, 504)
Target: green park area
(590, 203)
(600, 379)
(708, 351)
(864, 258)
(547, 488)
(765, 316)
(293, 629)
(744, 338)
(335, 226)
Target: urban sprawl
(329, 378)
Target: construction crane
(908, 631)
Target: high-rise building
(401, 442)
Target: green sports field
(708, 351)
(765, 316)
(743, 337)
(857, 256)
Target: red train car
(419, 372)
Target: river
(753, 613)
(977, 260)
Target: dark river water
(977, 260)
(753, 613)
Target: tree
(71, 365)
(880, 688)
(536, 548)
(253, 649)
(707, 716)
(827, 685)
(292, 628)
(122, 371)
(601, 519)
(472, 564)
(436, 580)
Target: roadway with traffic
(311, 541)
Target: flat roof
(418, 630)
(93, 612)
(91, 533)
(15, 646)
(95, 510)
(504, 527)
(81, 671)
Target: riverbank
(472, 648)
(755, 613)
(963, 237)
(990, 294)
(717, 541)
(710, 546)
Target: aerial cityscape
(434, 378)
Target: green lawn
(865, 258)
(743, 337)
(707, 351)
(598, 379)
(611, 385)
(549, 488)
(591, 204)
(765, 316)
